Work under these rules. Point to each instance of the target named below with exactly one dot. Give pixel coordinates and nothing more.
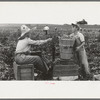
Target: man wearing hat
(80, 52)
(23, 48)
(46, 28)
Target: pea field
(9, 34)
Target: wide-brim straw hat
(24, 30)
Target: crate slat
(65, 73)
(26, 70)
(26, 75)
(65, 67)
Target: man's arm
(79, 47)
(38, 42)
(82, 41)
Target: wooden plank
(26, 75)
(65, 67)
(66, 56)
(26, 78)
(18, 73)
(65, 73)
(66, 78)
(27, 70)
(62, 70)
(15, 70)
(25, 65)
(67, 62)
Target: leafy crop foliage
(9, 40)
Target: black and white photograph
(49, 49)
(58, 41)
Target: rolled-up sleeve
(82, 37)
(36, 42)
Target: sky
(49, 12)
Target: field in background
(10, 33)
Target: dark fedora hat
(75, 25)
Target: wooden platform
(65, 68)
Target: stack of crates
(66, 65)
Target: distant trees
(82, 22)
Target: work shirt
(24, 45)
(79, 37)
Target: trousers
(29, 59)
(82, 60)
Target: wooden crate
(65, 70)
(66, 48)
(24, 72)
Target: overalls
(81, 57)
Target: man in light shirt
(46, 28)
(23, 47)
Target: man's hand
(77, 48)
(50, 39)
